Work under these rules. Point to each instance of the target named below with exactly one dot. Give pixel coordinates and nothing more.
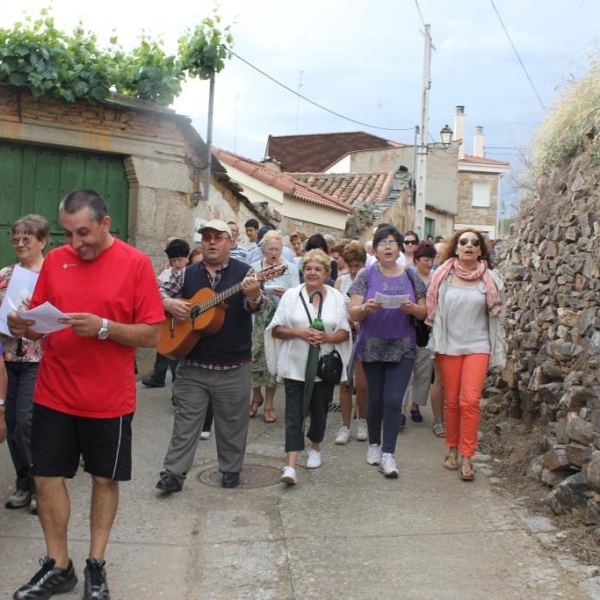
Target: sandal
(468, 473)
(451, 462)
(269, 416)
(254, 406)
(439, 430)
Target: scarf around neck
(452, 266)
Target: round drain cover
(253, 475)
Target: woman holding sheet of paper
(30, 235)
(386, 342)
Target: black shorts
(59, 441)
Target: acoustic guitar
(206, 316)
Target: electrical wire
(285, 87)
(420, 14)
(518, 57)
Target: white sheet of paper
(20, 287)
(46, 318)
(391, 301)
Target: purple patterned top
(387, 335)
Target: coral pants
(463, 378)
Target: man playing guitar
(218, 366)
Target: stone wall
(551, 266)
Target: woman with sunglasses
(30, 236)
(465, 305)
(409, 245)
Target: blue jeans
(386, 385)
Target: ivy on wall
(35, 55)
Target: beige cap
(217, 225)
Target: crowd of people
(394, 323)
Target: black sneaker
(96, 587)
(48, 581)
(150, 382)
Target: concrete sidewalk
(343, 532)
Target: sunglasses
(474, 241)
(411, 242)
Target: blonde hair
(317, 255)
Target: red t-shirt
(83, 376)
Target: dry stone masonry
(551, 266)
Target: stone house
(478, 182)
(461, 189)
(362, 153)
(146, 160)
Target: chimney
(478, 141)
(459, 130)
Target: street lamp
(446, 136)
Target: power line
(285, 87)
(420, 14)
(518, 57)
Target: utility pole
(421, 150)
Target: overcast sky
(363, 59)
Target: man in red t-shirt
(85, 394)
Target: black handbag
(421, 328)
(330, 367)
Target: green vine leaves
(35, 55)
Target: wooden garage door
(33, 179)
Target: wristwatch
(103, 331)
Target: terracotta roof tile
(350, 188)
(481, 160)
(281, 181)
(314, 153)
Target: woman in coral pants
(466, 308)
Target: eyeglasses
(216, 237)
(474, 241)
(25, 240)
(411, 243)
(272, 251)
(388, 244)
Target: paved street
(343, 532)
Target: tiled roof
(481, 160)
(314, 153)
(281, 181)
(350, 188)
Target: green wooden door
(34, 179)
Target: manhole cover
(253, 475)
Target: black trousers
(322, 396)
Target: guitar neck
(201, 307)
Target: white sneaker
(388, 465)
(314, 459)
(374, 454)
(289, 476)
(343, 436)
(362, 433)
(205, 435)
